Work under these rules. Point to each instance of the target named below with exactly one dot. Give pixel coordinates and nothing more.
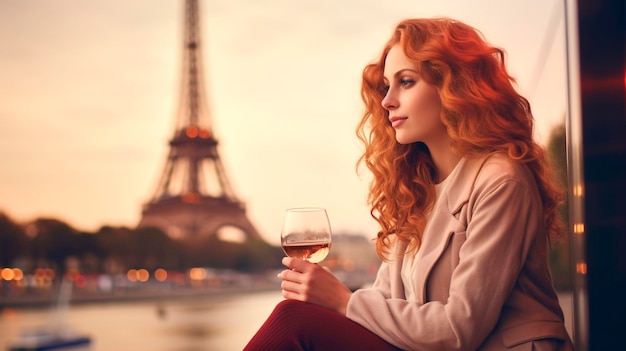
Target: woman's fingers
(293, 285)
(290, 295)
(297, 264)
(291, 275)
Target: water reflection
(214, 323)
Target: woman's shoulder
(499, 163)
(480, 175)
(499, 167)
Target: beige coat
(483, 280)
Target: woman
(466, 207)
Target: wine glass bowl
(306, 233)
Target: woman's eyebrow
(399, 73)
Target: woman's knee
(289, 304)
(290, 313)
(300, 317)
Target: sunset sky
(89, 90)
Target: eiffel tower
(193, 196)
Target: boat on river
(40, 340)
(57, 335)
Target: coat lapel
(444, 220)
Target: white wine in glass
(306, 234)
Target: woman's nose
(389, 101)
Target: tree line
(51, 243)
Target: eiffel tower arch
(194, 196)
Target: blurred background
(89, 94)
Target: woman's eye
(406, 82)
(384, 89)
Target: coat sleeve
(505, 217)
(381, 283)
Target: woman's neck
(444, 160)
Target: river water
(220, 323)
(216, 323)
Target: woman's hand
(310, 282)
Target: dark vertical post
(600, 147)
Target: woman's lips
(396, 121)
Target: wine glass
(306, 233)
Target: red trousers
(300, 326)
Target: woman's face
(414, 106)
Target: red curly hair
(481, 109)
